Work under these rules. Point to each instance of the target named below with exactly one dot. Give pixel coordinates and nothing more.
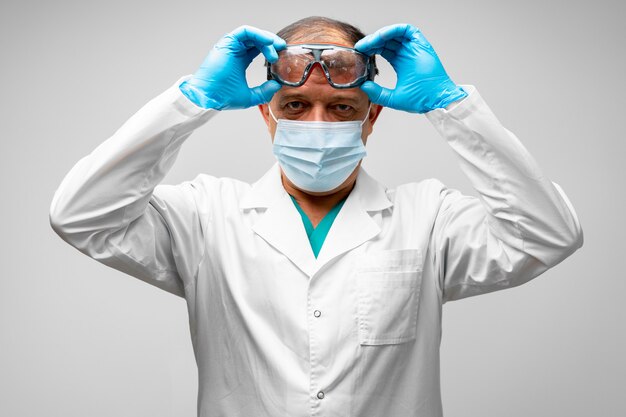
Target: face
(316, 100)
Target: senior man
(316, 291)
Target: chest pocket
(388, 287)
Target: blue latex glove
(220, 82)
(422, 83)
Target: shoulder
(428, 196)
(428, 189)
(221, 185)
(204, 191)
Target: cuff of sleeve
(182, 103)
(460, 109)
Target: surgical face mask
(318, 156)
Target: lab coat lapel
(354, 224)
(280, 225)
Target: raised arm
(111, 207)
(522, 223)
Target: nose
(318, 113)
(317, 82)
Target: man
(316, 290)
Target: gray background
(80, 339)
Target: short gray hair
(317, 28)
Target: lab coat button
(320, 395)
(317, 313)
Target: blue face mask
(318, 156)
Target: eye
(343, 111)
(344, 108)
(294, 106)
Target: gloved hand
(220, 82)
(422, 83)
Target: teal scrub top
(318, 234)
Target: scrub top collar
(275, 221)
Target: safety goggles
(343, 67)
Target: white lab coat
(277, 332)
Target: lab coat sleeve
(520, 225)
(111, 207)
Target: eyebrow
(299, 96)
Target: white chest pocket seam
(388, 288)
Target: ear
(374, 113)
(373, 116)
(264, 109)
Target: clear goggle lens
(343, 67)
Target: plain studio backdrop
(80, 339)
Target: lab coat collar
(269, 188)
(281, 225)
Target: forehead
(321, 34)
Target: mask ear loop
(271, 113)
(368, 114)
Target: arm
(521, 224)
(111, 207)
